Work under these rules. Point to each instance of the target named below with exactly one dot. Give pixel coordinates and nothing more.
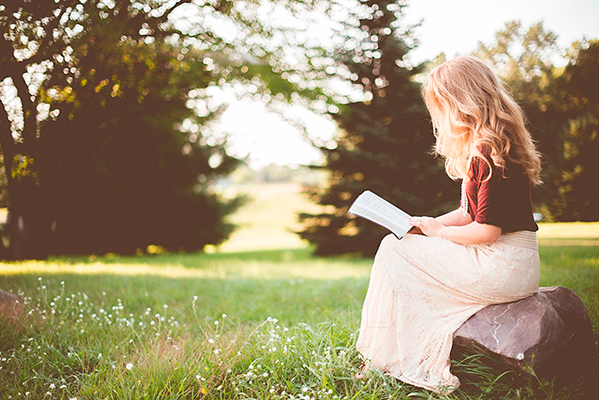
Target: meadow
(274, 322)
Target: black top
(501, 201)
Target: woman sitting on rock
(425, 286)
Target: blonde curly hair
(471, 110)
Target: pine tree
(384, 143)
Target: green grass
(76, 339)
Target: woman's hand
(429, 226)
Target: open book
(372, 207)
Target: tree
(49, 40)
(522, 57)
(384, 143)
(43, 54)
(577, 199)
(121, 174)
(560, 112)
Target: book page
(372, 207)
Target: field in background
(269, 219)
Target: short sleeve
(488, 193)
(502, 198)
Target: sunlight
(209, 269)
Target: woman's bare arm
(472, 233)
(454, 218)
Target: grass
(272, 323)
(289, 330)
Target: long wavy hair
(471, 110)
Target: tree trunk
(28, 228)
(29, 223)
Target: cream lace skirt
(423, 288)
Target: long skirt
(422, 289)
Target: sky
(471, 21)
(450, 26)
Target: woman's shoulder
(483, 165)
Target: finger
(414, 221)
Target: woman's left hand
(429, 226)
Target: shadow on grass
(483, 377)
(192, 260)
(185, 259)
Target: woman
(424, 286)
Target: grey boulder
(549, 331)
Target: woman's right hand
(429, 226)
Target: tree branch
(7, 142)
(165, 15)
(134, 24)
(41, 55)
(29, 110)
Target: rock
(10, 305)
(549, 331)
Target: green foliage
(122, 159)
(384, 143)
(22, 167)
(112, 170)
(561, 105)
(577, 199)
(131, 174)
